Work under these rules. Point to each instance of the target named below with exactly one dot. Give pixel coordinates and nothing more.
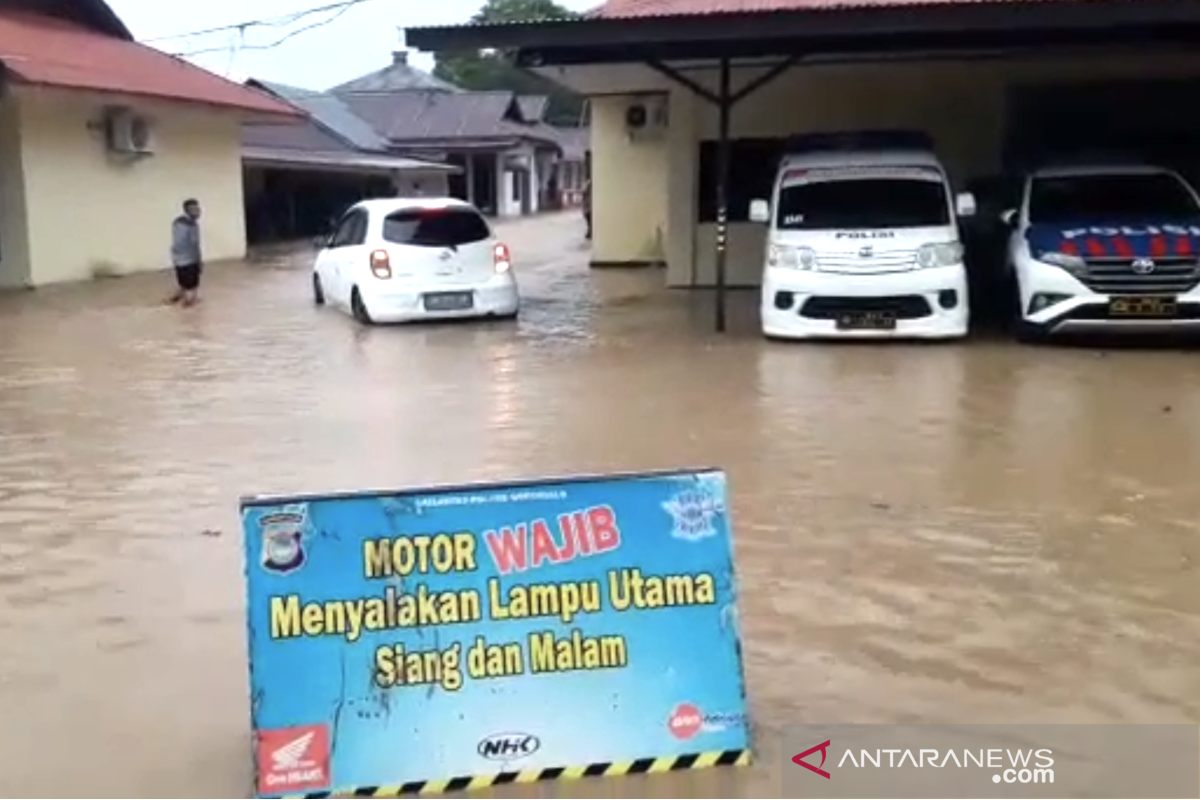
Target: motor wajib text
(418, 590)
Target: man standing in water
(185, 254)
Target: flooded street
(967, 533)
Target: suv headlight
(1064, 260)
(945, 254)
(779, 255)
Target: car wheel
(318, 292)
(359, 309)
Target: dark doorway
(483, 178)
(1137, 119)
(458, 183)
(287, 205)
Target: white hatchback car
(418, 258)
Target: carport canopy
(341, 162)
(718, 33)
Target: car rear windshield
(435, 227)
(863, 203)
(1070, 199)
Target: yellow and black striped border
(642, 766)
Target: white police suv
(1105, 247)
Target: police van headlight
(779, 255)
(1064, 260)
(945, 254)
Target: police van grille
(878, 261)
(1171, 275)
(911, 306)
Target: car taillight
(500, 259)
(381, 265)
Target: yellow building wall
(89, 213)
(14, 239)
(629, 189)
(960, 103)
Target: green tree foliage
(491, 70)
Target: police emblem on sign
(694, 512)
(282, 542)
(1143, 266)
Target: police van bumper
(1054, 301)
(922, 304)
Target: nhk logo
(1007, 766)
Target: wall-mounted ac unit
(128, 133)
(646, 116)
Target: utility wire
(266, 22)
(340, 9)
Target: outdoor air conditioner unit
(128, 133)
(646, 116)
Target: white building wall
(509, 203)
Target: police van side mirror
(1009, 217)
(964, 204)
(760, 211)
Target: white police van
(862, 240)
(1105, 247)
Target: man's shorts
(188, 277)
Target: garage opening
(288, 205)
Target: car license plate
(1142, 306)
(449, 301)
(867, 320)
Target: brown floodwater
(978, 532)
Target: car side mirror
(1009, 217)
(760, 211)
(320, 242)
(964, 204)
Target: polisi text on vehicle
(509, 746)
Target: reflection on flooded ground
(958, 533)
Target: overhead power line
(272, 45)
(279, 21)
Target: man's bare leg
(190, 298)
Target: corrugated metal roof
(52, 52)
(411, 117)
(307, 135)
(341, 159)
(283, 90)
(399, 76)
(575, 142)
(329, 112)
(533, 107)
(634, 9)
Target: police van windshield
(863, 203)
(1070, 199)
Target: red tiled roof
(630, 9)
(51, 52)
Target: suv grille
(1171, 275)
